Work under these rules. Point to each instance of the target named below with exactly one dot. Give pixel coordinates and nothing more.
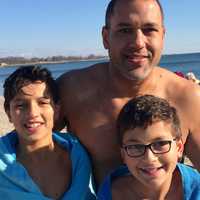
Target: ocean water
(176, 62)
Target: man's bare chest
(99, 112)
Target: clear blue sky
(68, 27)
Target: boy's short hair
(145, 110)
(25, 75)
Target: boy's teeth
(34, 125)
(151, 170)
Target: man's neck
(125, 87)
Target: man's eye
(149, 30)
(125, 30)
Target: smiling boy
(36, 163)
(150, 138)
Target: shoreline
(50, 62)
(105, 57)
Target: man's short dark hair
(110, 11)
(145, 110)
(25, 75)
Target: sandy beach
(5, 125)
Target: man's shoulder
(179, 91)
(82, 75)
(176, 85)
(83, 84)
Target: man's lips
(136, 58)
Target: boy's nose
(33, 110)
(149, 155)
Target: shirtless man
(91, 98)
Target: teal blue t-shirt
(15, 182)
(190, 182)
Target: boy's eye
(19, 105)
(44, 102)
(135, 147)
(160, 144)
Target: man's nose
(138, 39)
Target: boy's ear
(180, 147)
(122, 155)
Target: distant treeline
(21, 60)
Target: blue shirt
(190, 182)
(15, 182)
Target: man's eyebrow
(123, 24)
(151, 24)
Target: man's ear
(105, 36)
(164, 31)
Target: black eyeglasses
(158, 147)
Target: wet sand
(5, 125)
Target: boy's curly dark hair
(25, 75)
(145, 110)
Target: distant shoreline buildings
(11, 60)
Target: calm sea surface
(175, 62)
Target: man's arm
(192, 149)
(67, 85)
(192, 145)
(60, 121)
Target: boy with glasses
(150, 138)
